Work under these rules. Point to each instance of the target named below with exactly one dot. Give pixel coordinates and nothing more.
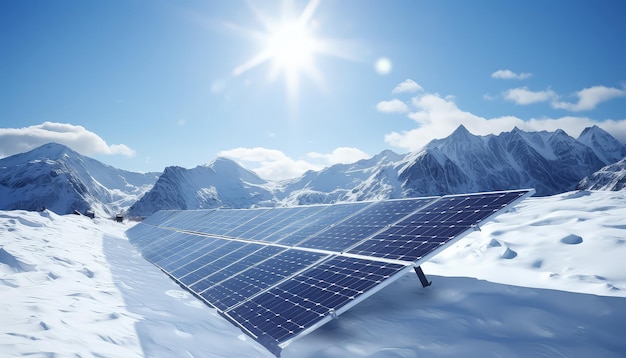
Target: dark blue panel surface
(219, 222)
(252, 223)
(209, 272)
(189, 252)
(284, 222)
(258, 277)
(141, 234)
(433, 226)
(245, 263)
(190, 220)
(312, 225)
(195, 270)
(159, 217)
(295, 305)
(162, 245)
(363, 224)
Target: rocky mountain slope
(222, 183)
(57, 178)
(612, 177)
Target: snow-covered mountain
(612, 177)
(222, 183)
(605, 146)
(344, 182)
(57, 178)
(551, 162)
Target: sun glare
(290, 45)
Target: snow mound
(6, 259)
(572, 239)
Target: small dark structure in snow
(119, 218)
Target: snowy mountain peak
(460, 130)
(54, 151)
(387, 155)
(593, 131)
(559, 133)
(230, 168)
(603, 144)
(221, 183)
(49, 151)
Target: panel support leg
(422, 277)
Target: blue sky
(142, 85)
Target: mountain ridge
(56, 177)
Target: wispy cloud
(273, 164)
(407, 86)
(340, 155)
(268, 163)
(589, 98)
(393, 106)
(436, 116)
(524, 96)
(510, 75)
(18, 140)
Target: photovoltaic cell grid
(280, 273)
(434, 226)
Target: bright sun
(291, 47)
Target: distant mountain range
(62, 180)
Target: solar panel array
(279, 273)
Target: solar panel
(280, 273)
(434, 225)
(313, 224)
(310, 298)
(290, 220)
(362, 224)
(257, 278)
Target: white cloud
(393, 106)
(523, 96)
(19, 140)
(407, 86)
(437, 117)
(340, 155)
(269, 163)
(589, 98)
(273, 164)
(510, 75)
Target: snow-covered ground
(548, 279)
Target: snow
(547, 279)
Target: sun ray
(290, 46)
